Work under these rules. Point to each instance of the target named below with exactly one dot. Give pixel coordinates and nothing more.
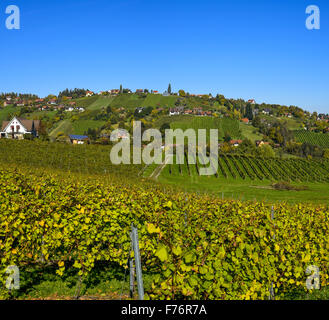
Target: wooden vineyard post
(138, 265)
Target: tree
(326, 154)
(266, 151)
(227, 137)
(62, 137)
(122, 125)
(182, 93)
(247, 147)
(91, 133)
(43, 132)
(169, 88)
(249, 114)
(256, 122)
(164, 127)
(108, 109)
(121, 89)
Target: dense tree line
(74, 94)
(276, 131)
(305, 150)
(18, 95)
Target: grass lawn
(171, 119)
(37, 114)
(76, 127)
(155, 100)
(6, 111)
(81, 126)
(247, 131)
(245, 190)
(85, 102)
(63, 126)
(291, 123)
(101, 102)
(128, 101)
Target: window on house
(12, 128)
(17, 128)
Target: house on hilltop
(18, 127)
(114, 92)
(176, 111)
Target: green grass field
(129, 101)
(81, 126)
(250, 179)
(86, 102)
(76, 127)
(63, 126)
(239, 190)
(101, 102)
(290, 123)
(248, 131)
(155, 100)
(6, 111)
(38, 114)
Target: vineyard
(317, 139)
(68, 207)
(198, 247)
(240, 167)
(90, 159)
(224, 126)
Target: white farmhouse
(17, 127)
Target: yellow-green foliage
(200, 247)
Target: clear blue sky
(248, 49)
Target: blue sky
(239, 48)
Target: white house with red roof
(18, 127)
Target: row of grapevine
(273, 169)
(96, 160)
(318, 139)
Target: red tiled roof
(235, 141)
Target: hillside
(97, 116)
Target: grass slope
(248, 131)
(63, 126)
(6, 111)
(245, 190)
(101, 102)
(81, 126)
